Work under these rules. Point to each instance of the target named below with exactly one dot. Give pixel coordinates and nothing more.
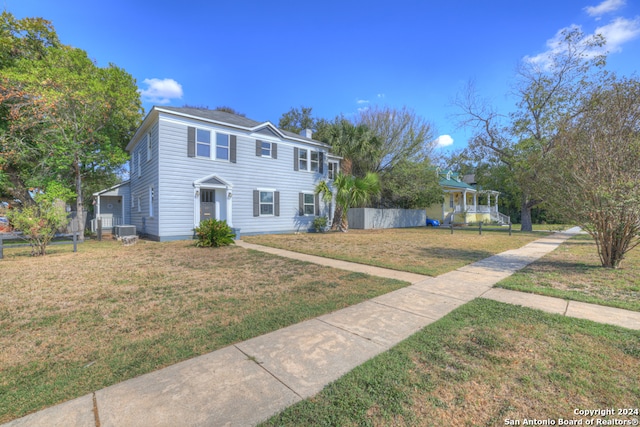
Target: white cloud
(161, 91)
(443, 141)
(362, 101)
(618, 32)
(605, 7)
(380, 95)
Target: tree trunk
(525, 214)
(79, 202)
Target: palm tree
(351, 192)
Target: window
(139, 205)
(307, 160)
(308, 204)
(148, 146)
(266, 203)
(315, 161)
(265, 149)
(303, 160)
(151, 197)
(222, 146)
(450, 200)
(203, 143)
(333, 170)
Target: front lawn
(482, 365)
(573, 271)
(73, 323)
(422, 250)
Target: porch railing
(107, 223)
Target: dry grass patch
(483, 364)
(573, 271)
(418, 250)
(72, 323)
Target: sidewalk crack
(96, 416)
(261, 365)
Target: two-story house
(190, 164)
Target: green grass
(422, 250)
(73, 323)
(573, 272)
(484, 363)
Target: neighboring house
(462, 201)
(190, 164)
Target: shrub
(214, 233)
(40, 221)
(320, 224)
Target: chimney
(307, 133)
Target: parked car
(5, 227)
(432, 222)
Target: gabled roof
(101, 192)
(449, 178)
(223, 118)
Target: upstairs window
(315, 161)
(303, 160)
(265, 149)
(203, 143)
(222, 146)
(333, 170)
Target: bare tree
(595, 169)
(548, 93)
(401, 135)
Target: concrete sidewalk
(246, 383)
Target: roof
(228, 119)
(448, 178)
(106, 190)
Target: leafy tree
(350, 191)
(298, 119)
(40, 220)
(549, 94)
(68, 117)
(21, 153)
(411, 185)
(594, 173)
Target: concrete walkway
(246, 383)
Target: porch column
(497, 202)
(489, 201)
(464, 200)
(475, 201)
(98, 207)
(229, 195)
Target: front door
(207, 204)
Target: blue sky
(264, 57)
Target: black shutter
(317, 203)
(295, 159)
(191, 141)
(258, 148)
(256, 203)
(301, 203)
(321, 162)
(276, 203)
(232, 148)
(274, 150)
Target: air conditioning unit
(125, 230)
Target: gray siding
(142, 180)
(176, 172)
